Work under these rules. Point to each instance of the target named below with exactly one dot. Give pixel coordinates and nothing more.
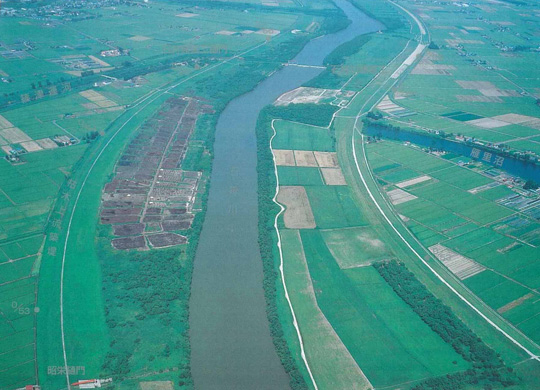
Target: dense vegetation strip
(488, 368)
(333, 76)
(338, 56)
(310, 114)
(267, 243)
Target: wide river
(230, 335)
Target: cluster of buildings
(65, 9)
(114, 52)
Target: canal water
(230, 335)
(524, 169)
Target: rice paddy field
(143, 32)
(25, 210)
(477, 218)
(479, 77)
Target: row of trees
(311, 114)
(374, 125)
(487, 366)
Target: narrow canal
(230, 336)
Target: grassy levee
(377, 88)
(85, 330)
(510, 353)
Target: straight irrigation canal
(230, 335)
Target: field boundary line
(16, 280)
(282, 209)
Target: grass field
(325, 350)
(355, 247)
(24, 215)
(302, 176)
(334, 207)
(298, 136)
(17, 345)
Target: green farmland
(362, 296)
(473, 225)
(358, 304)
(383, 264)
